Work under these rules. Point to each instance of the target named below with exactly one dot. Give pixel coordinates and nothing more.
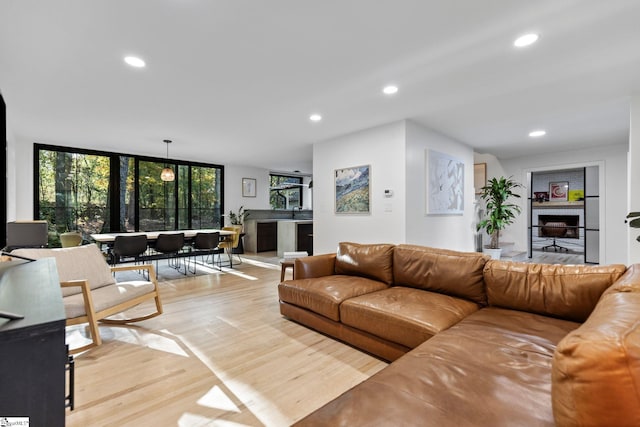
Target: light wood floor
(221, 354)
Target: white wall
(442, 231)
(19, 178)
(233, 198)
(633, 178)
(613, 194)
(383, 148)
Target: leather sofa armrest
(601, 358)
(314, 266)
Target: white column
(633, 180)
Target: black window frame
(114, 199)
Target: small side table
(284, 264)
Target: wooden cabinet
(267, 236)
(33, 354)
(305, 238)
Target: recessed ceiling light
(390, 90)
(134, 61)
(537, 133)
(315, 117)
(526, 40)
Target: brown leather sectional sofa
(477, 342)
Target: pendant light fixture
(167, 173)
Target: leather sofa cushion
(596, 368)
(440, 270)
(565, 291)
(323, 295)
(491, 369)
(374, 261)
(405, 316)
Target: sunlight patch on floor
(217, 399)
(261, 264)
(238, 273)
(267, 412)
(151, 340)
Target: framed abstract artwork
(352, 190)
(558, 191)
(248, 187)
(444, 184)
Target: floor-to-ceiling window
(94, 192)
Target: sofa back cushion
(75, 263)
(565, 291)
(374, 261)
(445, 271)
(596, 368)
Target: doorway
(564, 208)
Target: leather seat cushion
(323, 295)
(480, 371)
(405, 316)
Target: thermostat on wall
(388, 193)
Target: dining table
(106, 238)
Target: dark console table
(33, 355)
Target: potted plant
(634, 223)
(237, 218)
(499, 211)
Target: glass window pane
(205, 197)
(73, 193)
(285, 192)
(157, 198)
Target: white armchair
(90, 292)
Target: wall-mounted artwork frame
(352, 190)
(558, 191)
(444, 184)
(479, 177)
(248, 187)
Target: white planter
(493, 253)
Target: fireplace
(565, 226)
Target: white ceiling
(234, 81)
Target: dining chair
(170, 244)
(229, 243)
(205, 244)
(128, 248)
(70, 239)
